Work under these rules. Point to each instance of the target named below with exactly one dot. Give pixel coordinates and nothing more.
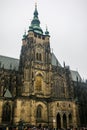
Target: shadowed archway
(6, 114)
(64, 121)
(70, 119)
(58, 121)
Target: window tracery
(38, 83)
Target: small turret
(24, 38)
(47, 32)
(47, 35)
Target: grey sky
(66, 21)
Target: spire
(35, 5)
(36, 12)
(35, 23)
(24, 36)
(47, 32)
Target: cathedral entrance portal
(58, 121)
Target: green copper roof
(35, 23)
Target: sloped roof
(7, 94)
(13, 63)
(75, 75)
(9, 63)
(54, 60)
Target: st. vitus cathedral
(36, 89)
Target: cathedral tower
(35, 60)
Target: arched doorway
(58, 121)
(64, 121)
(6, 114)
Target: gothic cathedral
(38, 90)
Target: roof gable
(7, 94)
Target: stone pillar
(67, 120)
(75, 115)
(0, 119)
(61, 121)
(1, 104)
(16, 128)
(7, 128)
(54, 123)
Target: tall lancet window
(38, 56)
(38, 82)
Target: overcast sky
(66, 21)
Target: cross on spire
(35, 5)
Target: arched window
(70, 119)
(6, 114)
(38, 82)
(39, 112)
(64, 121)
(58, 121)
(38, 56)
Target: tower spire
(35, 5)
(35, 23)
(46, 28)
(35, 12)
(24, 36)
(47, 32)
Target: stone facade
(40, 92)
